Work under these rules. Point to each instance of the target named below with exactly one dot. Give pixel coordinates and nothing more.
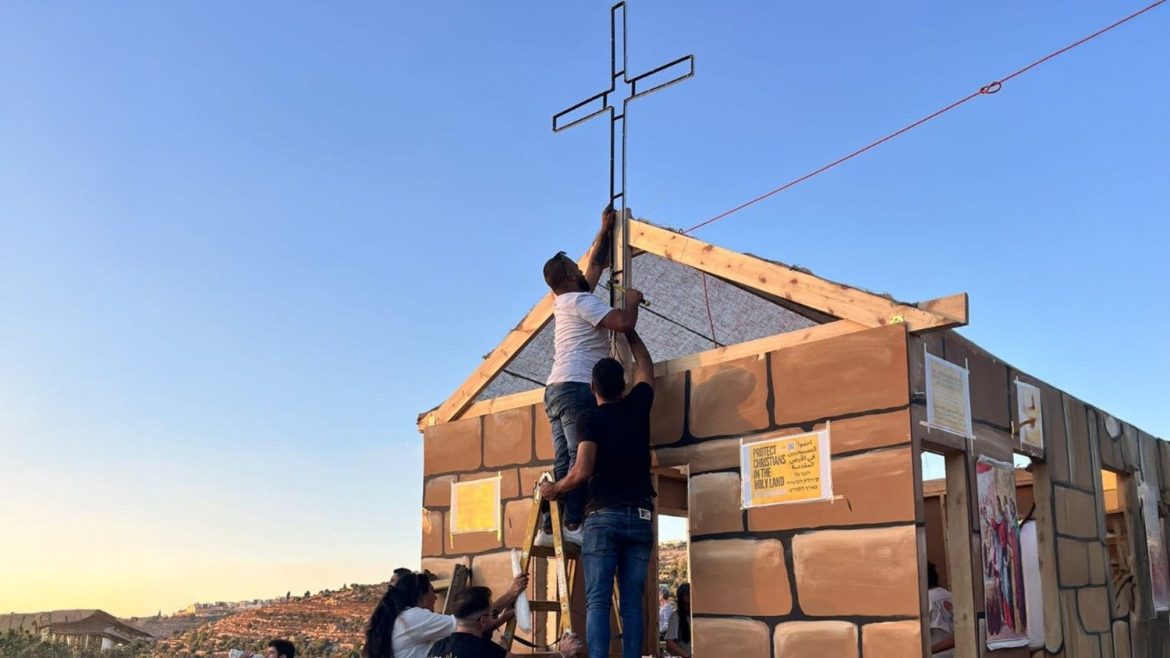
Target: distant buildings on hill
(223, 607)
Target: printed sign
(1030, 417)
(948, 397)
(790, 469)
(475, 506)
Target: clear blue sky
(242, 245)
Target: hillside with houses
(328, 624)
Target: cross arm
(689, 60)
(559, 118)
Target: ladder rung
(545, 606)
(572, 551)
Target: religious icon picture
(1030, 416)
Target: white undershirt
(578, 342)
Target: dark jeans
(565, 403)
(617, 540)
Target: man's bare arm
(579, 475)
(643, 364)
(623, 320)
(601, 248)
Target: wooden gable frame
(790, 287)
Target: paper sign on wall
(475, 506)
(948, 397)
(790, 469)
(1030, 415)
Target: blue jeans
(617, 540)
(565, 403)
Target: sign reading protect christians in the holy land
(789, 469)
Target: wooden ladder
(568, 561)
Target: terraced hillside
(331, 623)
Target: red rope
(710, 318)
(986, 89)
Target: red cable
(986, 89)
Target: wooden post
(622, 277)
(959, 556)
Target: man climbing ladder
(580, 341)
(614, 459)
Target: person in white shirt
(665, 609)
(942, 617)
(405, 625)
(582, 321)
(678, 632)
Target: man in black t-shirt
(614, 457)
(475, 621)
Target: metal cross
(653, 81)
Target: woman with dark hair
(405, 625)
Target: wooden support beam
(954, 307)
(497, 360)
(680, 364)
(835, 299)
(960, 560)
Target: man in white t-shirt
(581, 339)
(942, 617)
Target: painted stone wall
(838, 578)
(1081, 618)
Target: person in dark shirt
(475, 622)
(614, 457)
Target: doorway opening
(671, 623)
(1118, 543)
(939, 617)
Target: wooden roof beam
(676, 365)
(835, 299)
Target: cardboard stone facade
(839, 578)
(844, 578)
(1082, 615)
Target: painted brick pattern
(869, 572)
(730, 398)
(821, 579)
(739, 577)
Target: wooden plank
(959, 558)
(835, 299)
(954, 306)
(498, 359)
(504, 403)
(758, 346)
(680, 364)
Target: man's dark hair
(555, 272)
(283, 648)
(402, 571)
(472, 602)
(931, 575)
(609, 379)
